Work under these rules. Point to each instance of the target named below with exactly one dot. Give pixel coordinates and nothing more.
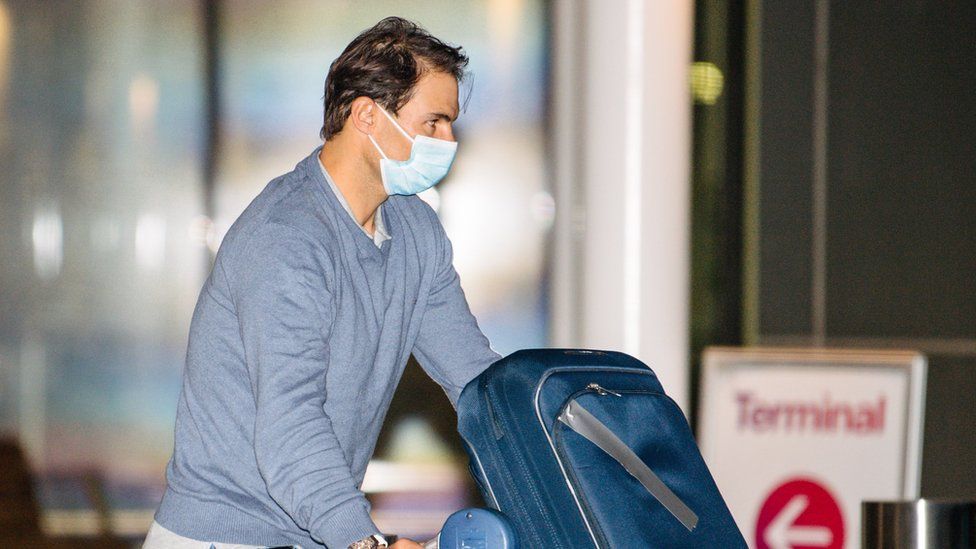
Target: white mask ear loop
(373, 141)
(403, 131)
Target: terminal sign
(796, 439)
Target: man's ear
(362, 114)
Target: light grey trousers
(161, 538)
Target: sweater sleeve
(450, 347)
(285, 312)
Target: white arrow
(783, 534)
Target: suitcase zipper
(599, 390)
(559, 444)
(580, 420)
(584, 505)
(504, 464)
(552, 446)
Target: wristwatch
(372, 542)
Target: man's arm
(285, 313)
(451, 347)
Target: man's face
(431, 111)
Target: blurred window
(101, 128)
(104, 235)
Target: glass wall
(105, 238)
(101, 138)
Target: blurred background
(651, 177)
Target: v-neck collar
(364, 243)
(379, 235)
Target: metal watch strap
(374, 541)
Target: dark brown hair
(384, 63)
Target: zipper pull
(600, 390)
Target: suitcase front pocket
(626, 454)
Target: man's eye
(432, 123)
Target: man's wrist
(372, 542)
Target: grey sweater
(298, 340)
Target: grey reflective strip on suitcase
(592, 429)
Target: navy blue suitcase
(584, 449)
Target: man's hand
(404, 543)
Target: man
(320, 292)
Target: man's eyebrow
(443, 116)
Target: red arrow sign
(800, 513)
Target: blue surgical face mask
(430, 159)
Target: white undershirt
(161, 538)
(379, 235)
